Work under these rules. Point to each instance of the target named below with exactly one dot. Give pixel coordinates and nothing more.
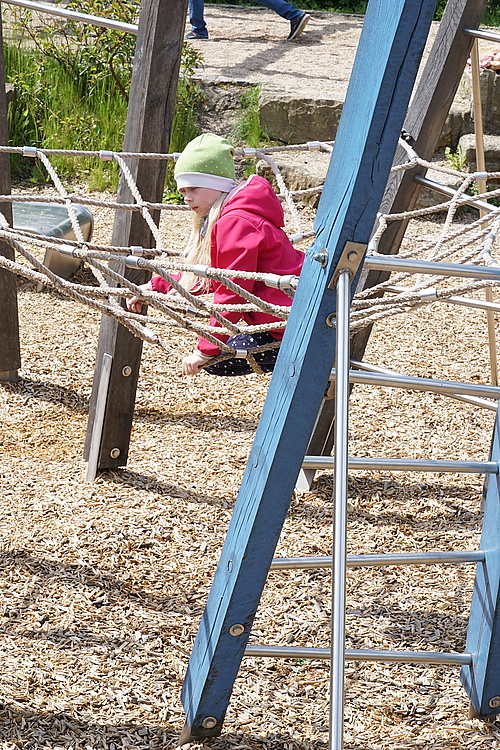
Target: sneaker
(193, 35)
(298, 25)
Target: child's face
(200, 199)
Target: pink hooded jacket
(248, 236)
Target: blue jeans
(283, 9)
(198, 25)
(196, 19)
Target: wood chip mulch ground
(102, 585)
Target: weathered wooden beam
(372, 117)
(481, 680)
(424, 122)
(10, 352)
(149, 125)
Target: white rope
(457, 242)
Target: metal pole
(490, 36)
(438, 187)
(421, 384)
(337, 664)
(395, 657)
(382, 560)
(56, 10)
(481, 184)
(464, 271)
(405, 464)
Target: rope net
(462, 238)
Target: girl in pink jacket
(237, 227)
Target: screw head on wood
(209, 722)
(494, 702)
(321, 257)
(332, 320)
(114, 452)
(237, 629)
(126, 371)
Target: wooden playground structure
(290, 434)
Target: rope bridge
(456, 242)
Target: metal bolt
(321, 257)
(352, 256)
(237, 629)
(114, 452)
(209, 722)
(126, 371)
(332, 320)
(494, 702)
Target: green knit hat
(207, 161)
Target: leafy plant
(72, 82)
(456, 159)
(248, 130)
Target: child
(235, 227)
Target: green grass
(248, 130)
(51, 112)
(55, 108)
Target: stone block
(300, 170)
(297, 118)
(458, 122)
(489, 82)
(491, 152)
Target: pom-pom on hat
(207, 161)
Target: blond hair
(197, 250)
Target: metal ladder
(479, 661)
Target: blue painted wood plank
(481, 680)
(389, 51)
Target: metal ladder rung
(400, 657)
(404, 464)
(474, 400)
(421, 384)
(408, 265)
(396, 558)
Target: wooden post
(372, 117)
(425, 120)
(481, 680)
(10, 352)
(149, 124)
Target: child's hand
(134, 304)
(193, 363)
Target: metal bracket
(351, 258)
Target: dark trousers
(231, 367)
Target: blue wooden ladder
(317, 331)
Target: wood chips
(103, 585)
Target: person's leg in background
(196, 19)
(298, 19)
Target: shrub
(72, 82)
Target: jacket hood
(257, 196)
